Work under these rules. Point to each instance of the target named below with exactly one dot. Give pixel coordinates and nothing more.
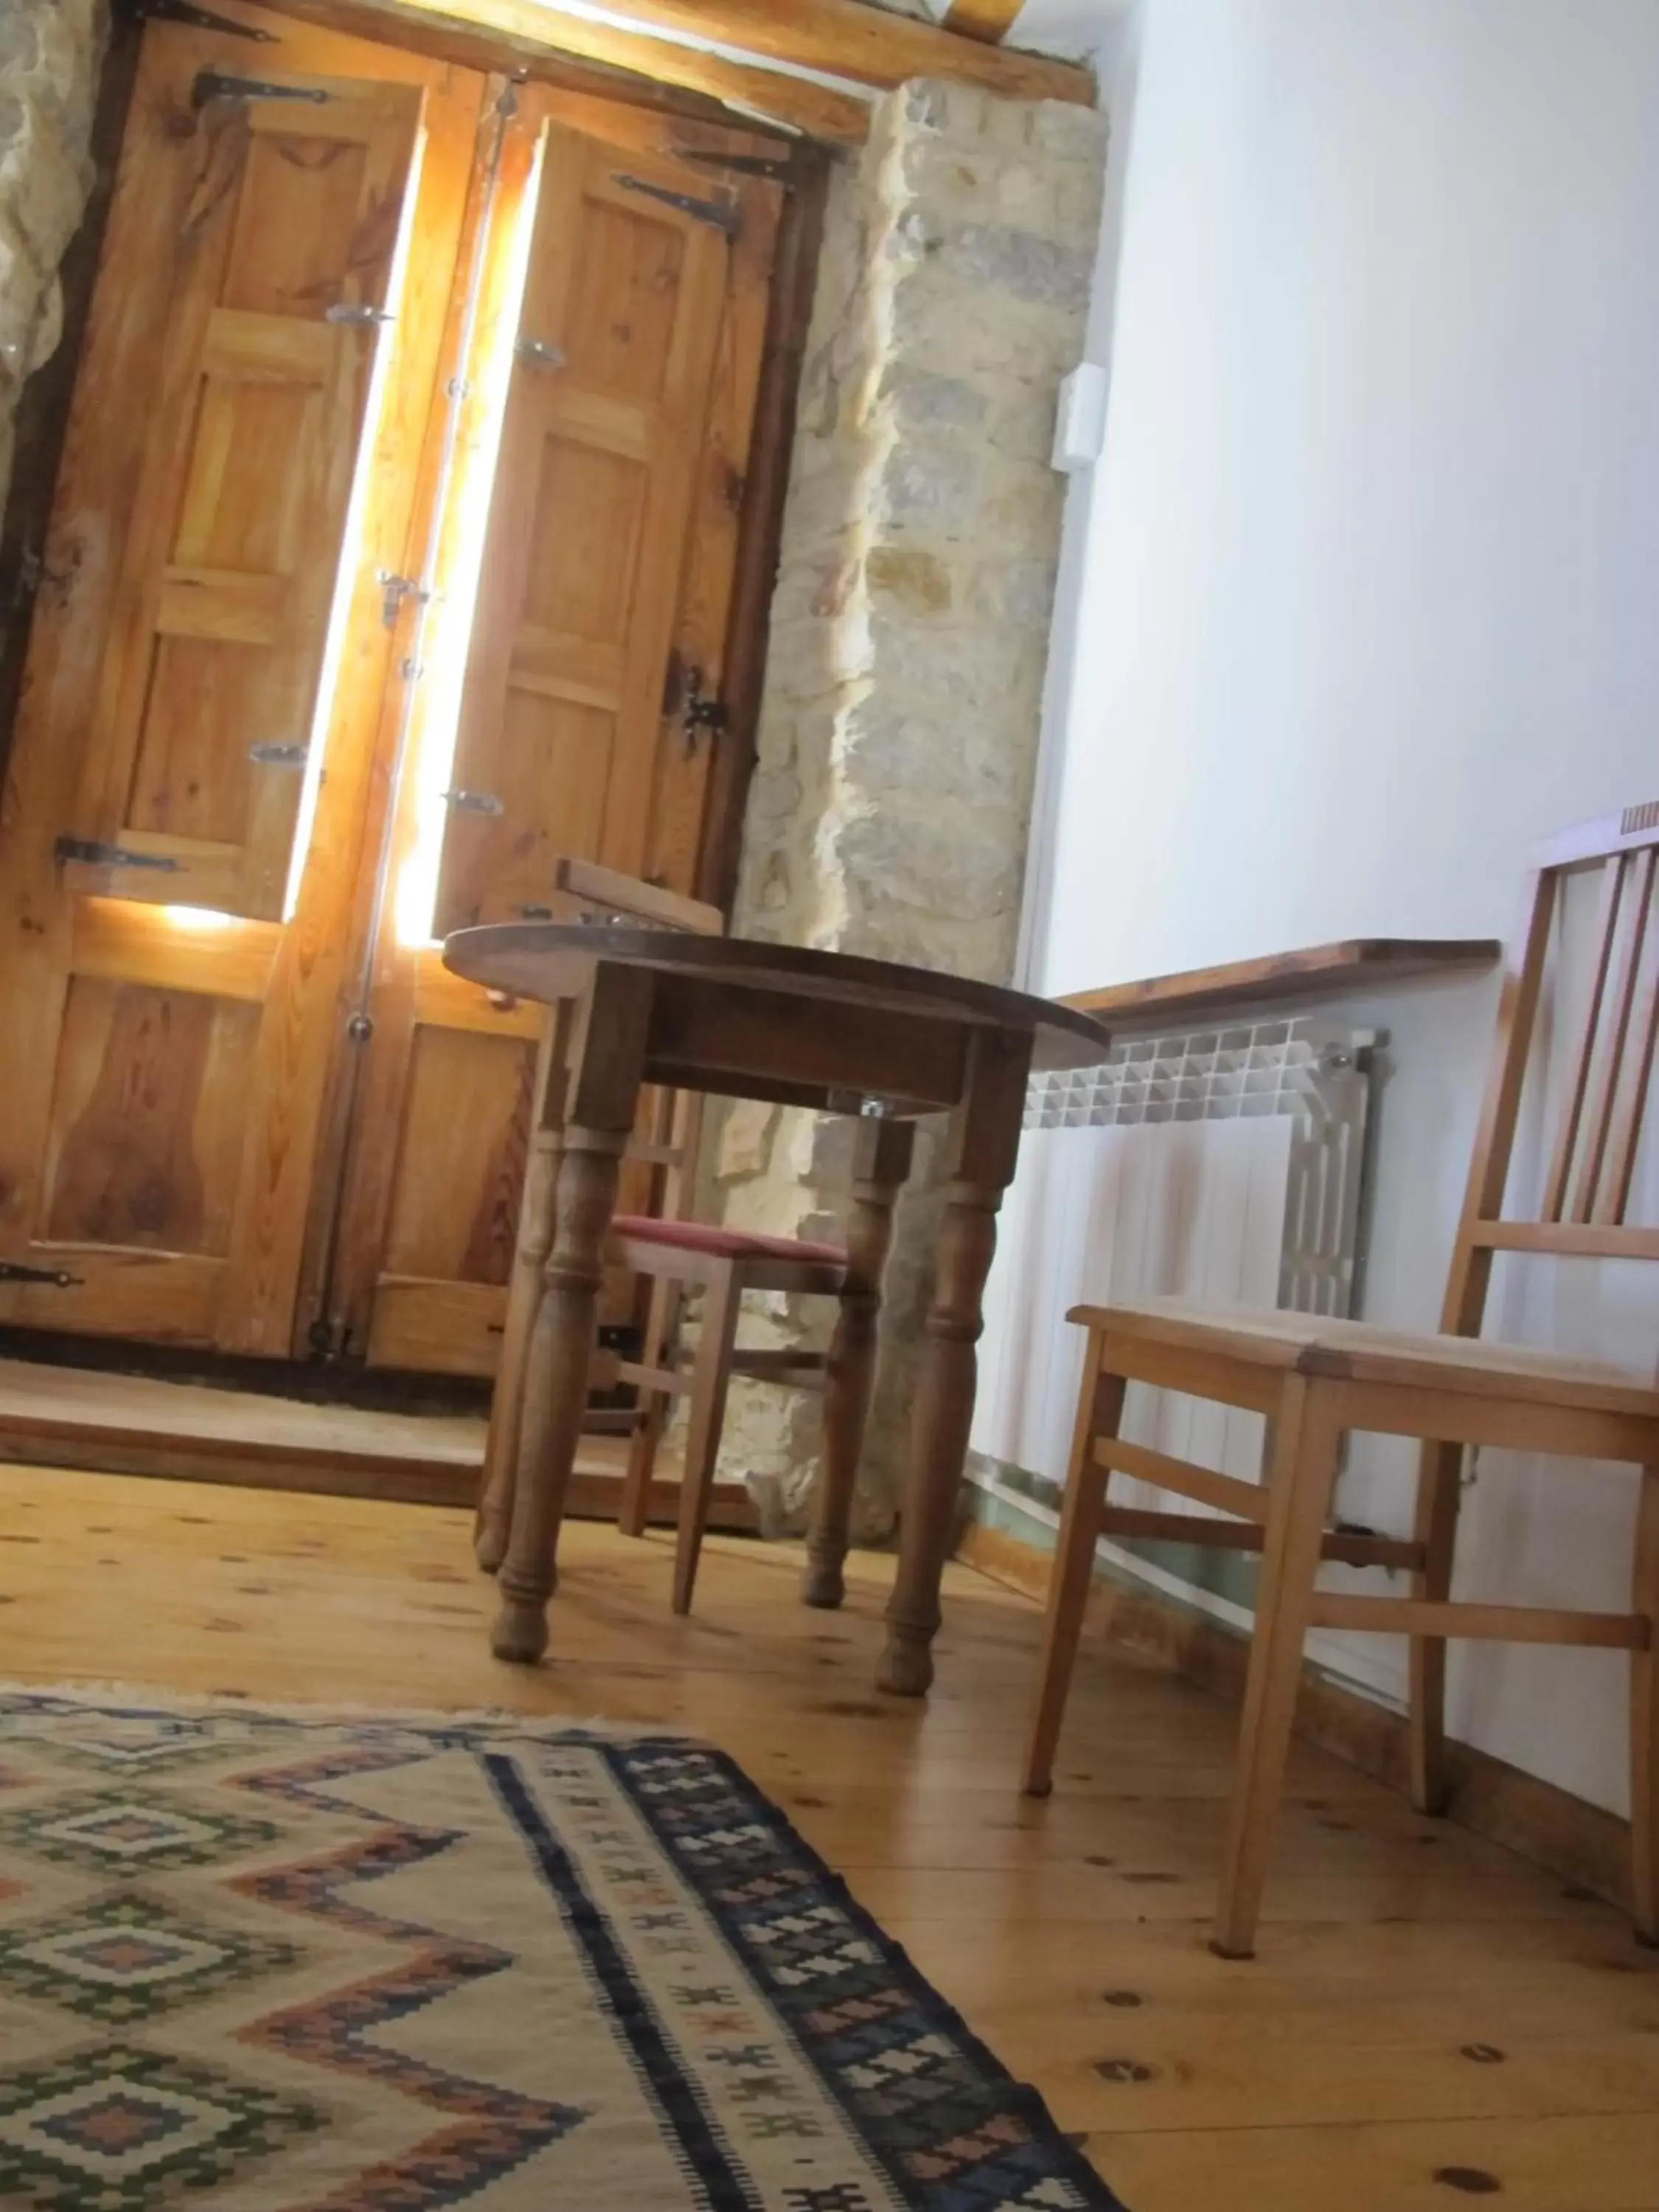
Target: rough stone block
(745, 1142)
(1019, 593)
(43, 182)
(21, 288)
(49, 48)
(917, 581)
(1072, 133)
(935, 484)
(955, 110)
(923, 398)
(1024, 264)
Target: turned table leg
(880, 1165)
(602, 1093)
(524, 1294)
(980, 1165)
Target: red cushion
(725, 1243)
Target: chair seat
(725, 1243)
(1358, 1351)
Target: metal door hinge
(14, 1271)
(200, 19)
(535, 353)
(475, 802)
(32, 574)
(356, 318)
(214, 84)
(742, 165)
(395, 590)
(722, 215)
(98, 855)
(275, 754)
(361, 1028)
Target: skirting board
(1581, 1842)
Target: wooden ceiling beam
(869, 44)
(989, 20)
(580, 55)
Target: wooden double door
(392, 555)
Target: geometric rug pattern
(339, 1964)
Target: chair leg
(1645, 1718)
(1100, 1408)
(710, 1375)
(660, 1330)
(1439, 1493)
(1300, 1480)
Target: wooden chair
(1315, 1379)
(679, 1254)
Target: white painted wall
(1362, 598)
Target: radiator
(1224, 1166)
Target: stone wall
(890, 807)
(50, 51)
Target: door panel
(164, 1024)
(632, 390)
(215, 654)
(610, 398)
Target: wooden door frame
(803, 167)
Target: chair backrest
(1592, 1149)
(673, 1119)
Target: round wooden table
(827, 1030)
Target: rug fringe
(152, 1696)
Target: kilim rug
(336, 1964)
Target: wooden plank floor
(1428, 2017)
(77, 1417)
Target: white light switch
(1080, 419)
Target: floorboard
(1428, 2016)
(89, 1418)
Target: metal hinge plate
(214, 84)
(475, 802)
(722, 215)
(356, 318)
(741, 165)
(276, 754)
(394, 591)
(535, 353)
(98, 855)
(201, 18)
(59, 1279)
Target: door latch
(475, 802)
(356, 318)
(274, 753)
